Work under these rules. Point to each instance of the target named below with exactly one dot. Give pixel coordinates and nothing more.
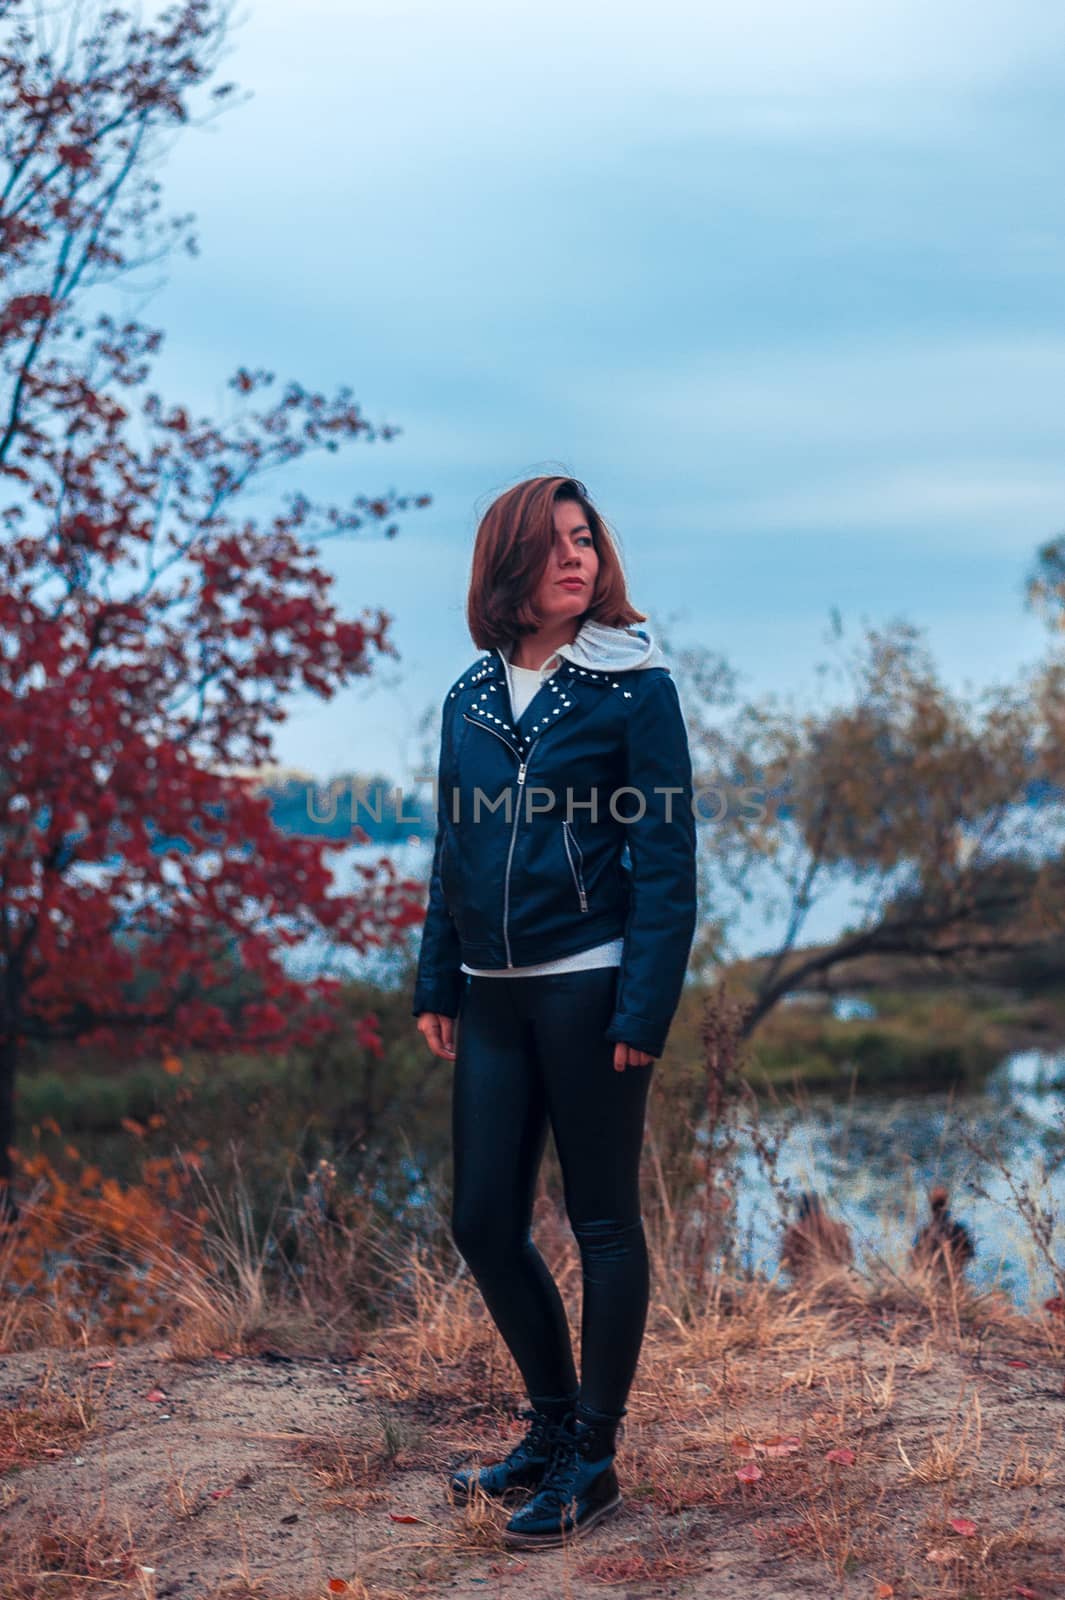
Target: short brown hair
(510, 555)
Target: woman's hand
(438, 1032)
(627, 1055)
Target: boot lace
(537, 1441)
(559, 1481)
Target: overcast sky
(782, 283)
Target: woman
(560, 919)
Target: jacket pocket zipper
(578, 877)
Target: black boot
(579, 1487)
(524, 1466)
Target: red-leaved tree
(150, 628)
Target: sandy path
(273, 1476)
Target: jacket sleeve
(662, 912)
(438, 983)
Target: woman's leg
(499, 1128)
(597, 1116)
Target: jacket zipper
(510, 854)
(523, 764)
(477, 724)
(578, 879)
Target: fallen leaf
(884, 1591)
(1055, 1305)
(845, 1457)
(1025, 1594)
(220, 1494)
(94, 1366)
(155, 1394)
(942, 1558)
(749, 1474)
(337, 1586)
(221, 1355)
(963, 1525)
(400, 1517)
(742, 1447)
(53, 1450)
(780, 1447)
(1018, 1363)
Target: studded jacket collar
(488, 696)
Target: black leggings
(529, 1052)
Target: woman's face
(568, 582)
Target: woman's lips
(572, 583)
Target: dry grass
(1023, 1470)
(953, 1454)
(287, 1434)
(873, 1427)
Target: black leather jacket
(543, 875)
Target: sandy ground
(270, 1476)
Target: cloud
(859, 394)
(1009, 507)
(382, 77)
(764, 276)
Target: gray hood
(604, 649)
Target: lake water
(873, 1160)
